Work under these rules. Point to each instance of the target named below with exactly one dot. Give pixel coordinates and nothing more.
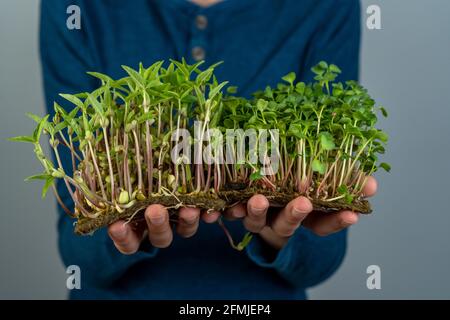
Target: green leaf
(59, 127)
(34, 117)
(355, 131)
(335, 68)
(213, 92)
(228, 123)
(96, 105)
(74, 112)
(204, 76)
(289, 78)
(385, 166)
(300, 87)
(42, 176)
(23, 139)
(75, 100)
(261, 104)
(342, 189)
(383, 112)
(253, 119)
(349, 198)
(268, 92)
(295, 129)
(100, 76)
(256, 176)
(181, 67)
(189, 99)
(327, 141)
(358, 115)
(318, 71)
(47, 185)
(81, 95)
(38, 131)
(245, 241)
(216, 116)
(380, 135)
(318, 166)
(172, 94)
(146, 116)
(134, 75)
(58, 109)
(232, 89)
(200, 95)
(323, 65)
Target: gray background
(406, 66)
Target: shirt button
(198, 53)
(201, 22)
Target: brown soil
(220, 202)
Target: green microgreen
(119, 136)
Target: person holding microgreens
(294, 247)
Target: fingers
(237, 211)
(324, 224)
(371, 187)
(125, 239)
(255, 220)
(210, 217)
(159, 230)
(188, 222)
(290, 218)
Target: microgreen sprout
(119, 138)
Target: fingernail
(258, 211)
(239, 214)
(190, 220)
(157, 220)
(120, 233)
(297, 213)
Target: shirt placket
(198, 43)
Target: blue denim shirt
(259, 42)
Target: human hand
(157, 228)
(297, 212)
